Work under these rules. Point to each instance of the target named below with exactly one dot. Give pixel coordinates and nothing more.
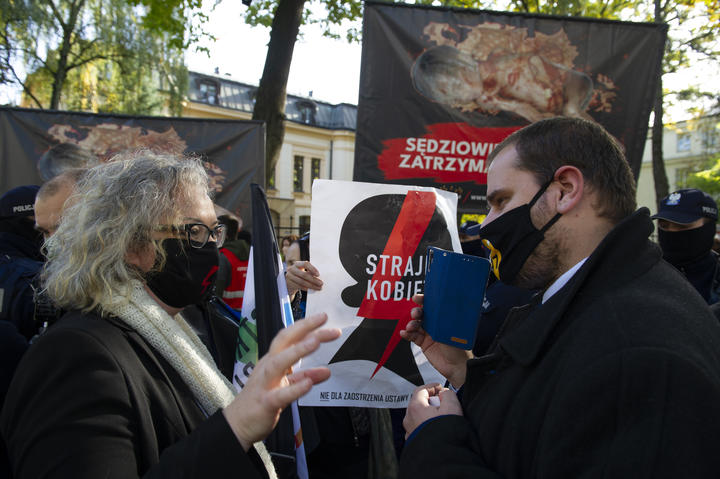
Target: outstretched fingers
(300, 384)
(316, 375)
(276, 364)
(297, 331)
(280, 398)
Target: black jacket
(19, 265)
(92, 399)
(616, 375)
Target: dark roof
(234, 95)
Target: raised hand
(273, 385)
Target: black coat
(616, 375)
(19, 265)
(92, 399)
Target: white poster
(369, 243)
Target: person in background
(686, 232)
(62, 157)
(121, 386)
(466, 233)
(237, 252)
(286, 242)
(612, 365)
(469, 239)
(50, 203)
(245, 236)
(20, 258)
(20, 261)
(51, 200)
(300, 278)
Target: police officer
(20, 257)
(20, 260)
(686, 230)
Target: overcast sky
(329, 68)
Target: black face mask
(512, 237)
(188, 275)
(683, 247)
(24, 227)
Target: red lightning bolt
(206, 282)
(413, 220)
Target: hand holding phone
(454, 291)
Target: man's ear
(572, 185)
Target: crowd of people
(597, 354)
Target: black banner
(440, 88)
(233, 150)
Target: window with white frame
(683, 142)
(298, 173)
(208, 91)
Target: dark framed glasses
(198, 234)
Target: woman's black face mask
(512, 237)
(188, 274)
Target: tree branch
(25, 88)
(56, 14)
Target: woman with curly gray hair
(122, 386)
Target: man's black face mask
(683, 247)
(24, 227)
(512, 237)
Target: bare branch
(25, 88)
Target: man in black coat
(612, 371)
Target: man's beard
(541, 267)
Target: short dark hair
(68, 178)
(547, 145)
(304, 244)
(231, 224)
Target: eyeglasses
(198, 234)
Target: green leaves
(99, 55)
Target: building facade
(319, 143)
(687, 148)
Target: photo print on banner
(369, 243)
(440, 87)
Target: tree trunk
(270, 98)
(658, 163)
(64, 52)
(60, 73)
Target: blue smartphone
(454, 291)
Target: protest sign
(369, 243)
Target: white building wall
(343, 156)
(686, 146)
